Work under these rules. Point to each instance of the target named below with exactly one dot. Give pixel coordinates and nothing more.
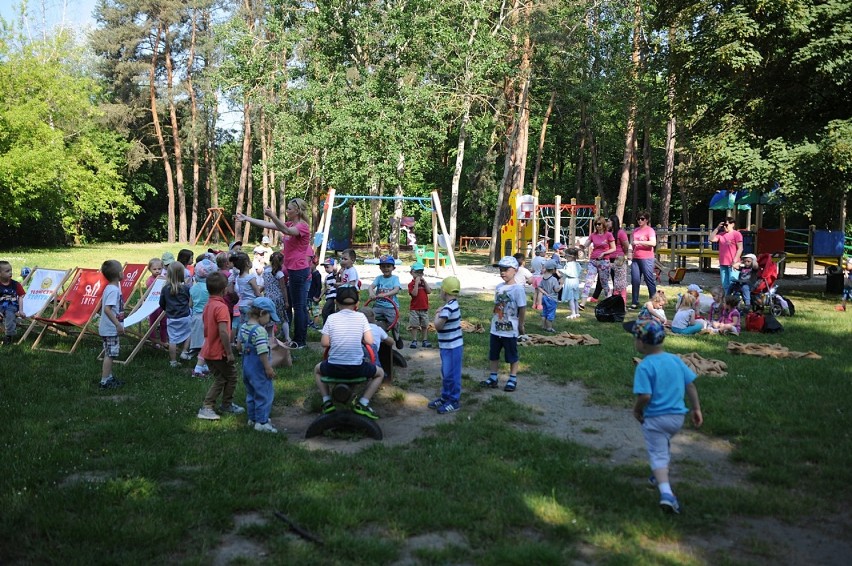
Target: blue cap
(417, 266)
(387, 260)
(266, 304)
(647, 330)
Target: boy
(314, 293)
(217, 352)
(418, 316)
(571, 286)
(110, 326)
(451, 343)
(748, 277)
(847, 286)
(659, 382)
(329, 288)
(343, 334)
(348, 276)
(385, 289)
(199, 296)
(550, 288)
(11, 303)
(507, 323)
(379, 335)
(258, 373)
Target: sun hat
(507, 261)
(233, 244)
(551, 265)
(265, 240)
(752, 257)
(694, 287)
(451, 285)
(387, 260)
(259, 250)
(204, 268)
(417, 266)
(266, 304)
(647, 330)
(168, 258)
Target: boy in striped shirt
(451, 344)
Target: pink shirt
(296, 249)
(728, 246)
(621, 243)
(641, 249)
(600, 244)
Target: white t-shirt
(522, 275)
(345, 329)
(508, 299)
(111, 300)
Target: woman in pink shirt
(644, 242)
(618, 258)
(601, 244)
(296, 247)
(730, 248)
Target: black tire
(347, 420)
(775, 308)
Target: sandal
(490, 382)
(511, 385)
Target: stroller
(764, 295)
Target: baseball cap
(551, 264)
(417, 266)
(329, 262)
(259, 250)
(694, 287)
(507, 261)
(451, 285)
(204, 268)
(647, 330)
(387, 260)
(266, 304)
(265, 240)
(557, 246)
(168, 258)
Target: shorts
(548, 308)
(384, 314)
(340, 371)
(658, 432)
(847, 293)
(535, 281)
(418, 319)
(111, 346)
(508, 344)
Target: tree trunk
(671, 130)
(245, 166)
(158, 131)
(176, 141)
(454, 190)
(193, 129)
(541, 139)
(249, 201)
(630, 130)
(593, 153)
(578, 180)
(397, 206)
(375, 210)
(646, 160)
(264, 159)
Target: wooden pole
(557, 219)
(329, 207)
(436, 207)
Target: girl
(618, 258)
(246, 284)
(158, 335)
(571, 284)
(601, 243)
(684, 319)
(717, 307)
(175, 300)
(199, 295)
(655, 308)
(730, 321)
(185, 257)
(275, 288)
(258, 373)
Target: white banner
(43, 286)
(152, 303)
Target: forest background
(116, 134)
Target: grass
(132, 476)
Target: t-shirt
(450, 336)
(548, 286)
(10, 294)
(349, 278)
(111, 300)
(199, 295)
(330, 286)
(664, 377)
(728, 247)
(641, 237)
(379, 334)
(259, 340)
(537, 264)
(683, 318)
(345, 330)
(419, 302)
(245, 290)
(621, 243)
(296, 249)
(175, 304)
(384, 284)
(600, 244)
(522, 275)
(508, 300)
(216, 311)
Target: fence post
(811, 230)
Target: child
(185, 257)
(348, 276)
(217, 350)
(684, 321)
(847, 286)
(748, 277)
(507, 323)
(175, 301)
(158, 335)
(654, 308)
(199, 296)
(343, 335)
(729, 322)
(11, 303)
(571, 283)
(314, 293)
(329, 288)
(245, 285)
(550, 288)
(659, 383)
(418, 315)
(451, 344)
(110, 326)
(275, 289)
(717, 307)
(379, 335)
(258, 373)
(385, 289)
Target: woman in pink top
(601, 244)
(618, 258)
(296, 247)
(644, 242)
(730, 248)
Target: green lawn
(132, 477)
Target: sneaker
(111, 383)
(435, 403)
(199, 375)
(265, 427)
(550, 330)
(634, 306)
(427, 344)
(328, 407)
(185, 356)
(233, 409)
(7, 340)
(413, 344)
(365, 411)
(669, 504)
(450, 407)
(250, 423)
(174, 364)
(207, 414)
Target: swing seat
(677, 275)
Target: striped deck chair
(44, 286)
(78, 307)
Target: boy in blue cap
(258, 374)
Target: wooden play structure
(521, 231)
(215, 224)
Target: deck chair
(76, 309)
(149, 302)
(676, 275)
(131, 282)
(44, 286)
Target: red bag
(754, 322)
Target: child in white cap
(507, 324)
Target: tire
(344, 419)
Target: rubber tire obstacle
(342, 393)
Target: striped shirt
(450, 336)
(255, 335)
(330, 286)
(345, 330)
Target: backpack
(771, 324)
(611, 309)
(755, 322)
